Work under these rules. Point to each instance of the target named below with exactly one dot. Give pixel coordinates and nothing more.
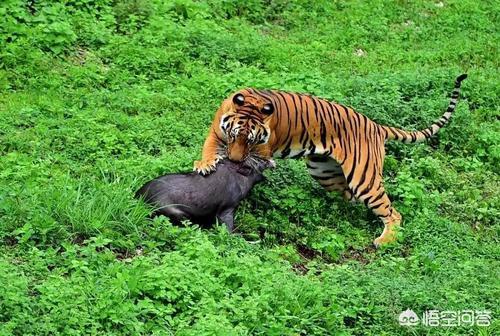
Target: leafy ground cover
(97, 97)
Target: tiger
(344, 150)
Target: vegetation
(99, 96)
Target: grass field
(97, 97)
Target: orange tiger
(343, 148)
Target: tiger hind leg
(329, 175)
(363, 175)
(389, 216)
(376, 199)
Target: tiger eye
(267, 109)
(239, 99)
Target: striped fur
(343, 148)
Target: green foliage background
(98, 96)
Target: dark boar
(200, 198)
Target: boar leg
(227, 216)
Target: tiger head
(246, 124)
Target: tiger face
(246, 125)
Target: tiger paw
(384, 240)
(391, 231)
(205, 167)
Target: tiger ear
(239, 99)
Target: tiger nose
(237, 151)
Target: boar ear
(265, 164)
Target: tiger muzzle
(238, 150)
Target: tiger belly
(297, 153)
(328, 173)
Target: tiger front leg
(209, 156)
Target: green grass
(97, 97)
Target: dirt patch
(127, 255)
(300, 268)
(78, 239)
(361, 256)
(10, 241)
(306, 252)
